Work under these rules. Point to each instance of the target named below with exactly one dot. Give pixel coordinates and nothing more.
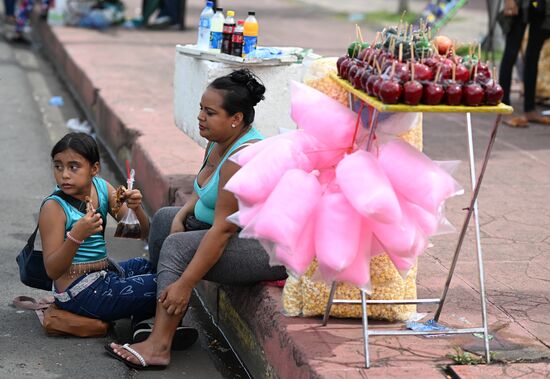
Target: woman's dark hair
(81, 143)
(243, 90)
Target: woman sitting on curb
(190, 253)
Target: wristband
(78, 242)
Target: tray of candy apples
(404, 71)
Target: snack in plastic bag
(415, 176)
(129, 226)
(367, 187)
(322, 117)
(337, 231)
(285, 212)
(255, 181)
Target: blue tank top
(208, 194)
(93, 248)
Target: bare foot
(537, 118)
(152, 354)
(516, 121)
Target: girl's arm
(176, 296)
(58, 252)
(133, 201)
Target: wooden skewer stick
(436, 78)
(360, 34)
(454, 71)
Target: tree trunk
(403, 6)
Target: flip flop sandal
(142, 366)
(517, 122)
(541, 120)
(184, 337)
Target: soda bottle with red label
(228, 29)
(237, 40)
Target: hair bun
(246, 78)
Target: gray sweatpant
(243, 261)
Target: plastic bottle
(203, 39)
(228, 29)
(251, 30)
(237, 40)
(57, 13)
(216, 29)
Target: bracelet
(78, 242)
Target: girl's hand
(175, 298)
(511, 8)
(133, 198)
(88, 225)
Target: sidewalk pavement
(123, 81)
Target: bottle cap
(210, 4)
(240, 22)
(230, 13)
(219, 9)
(252, 13)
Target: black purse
(31, 262)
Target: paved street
(514, 207)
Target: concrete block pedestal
(193, 74)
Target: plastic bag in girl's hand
(129, 226)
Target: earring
(233, 126)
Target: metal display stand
(472, 209)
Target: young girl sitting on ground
(73, 244)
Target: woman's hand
(511, 8)
(133, 198)
(88, 225)
(175, 298)
(178, 223)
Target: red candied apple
(462, 73)
(352, 71)
(473, 94)
(453, 90)
(344, 68)
(377, 85)
(365, 77)
(370, 84)
(446, 70)
(422, 72)
(339, 63)
(402, 71)
(412, 92)
(453, 93)
(357, 78)
(390, 91)
(433, 93)
(493, 94)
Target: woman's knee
(163, 217)
(175, 253)
(160, 229)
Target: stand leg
(372, 128)
(329, 303)
(473, 205)
(479, 250)
(365, 328)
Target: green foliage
(387, 17)
(462, 357)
